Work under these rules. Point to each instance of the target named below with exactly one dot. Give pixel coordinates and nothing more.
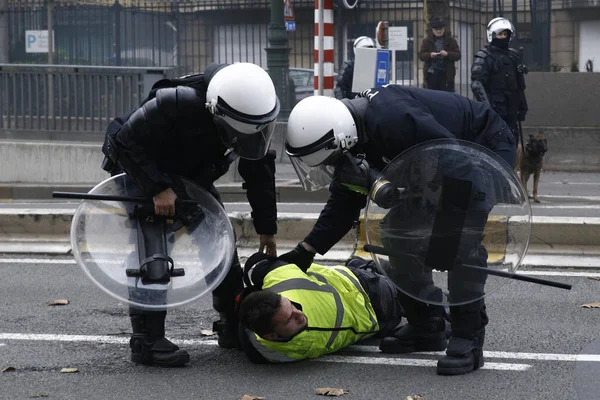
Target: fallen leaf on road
(331, 392)
(248, 397)
(58, 302)
(9, 369)
(69, 370)
(594, 278)
(591, 305)
(414, 397)
(206, 332)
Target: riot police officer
(343, 87)
(340, 142)
(195, 127)
(497, 74)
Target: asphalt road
(541, 344)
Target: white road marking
(500, 354)
(36, 261)
(413, 362)
(383, 360)
(574, 274)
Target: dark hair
(257, 310)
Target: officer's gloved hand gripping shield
(146, 260)
(461, 213)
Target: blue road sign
(383, 67)
(290, 25)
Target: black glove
(385, 194)
(299, 256)
(523, 69)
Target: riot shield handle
(390, 252)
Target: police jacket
(497, 79)
(337, 308)
(450, 45)
(397, 118)
(173, 134)
(343, 87)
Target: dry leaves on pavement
(248, 397)
(69, 370)
(9, 369)
(331, 392)
(58, 302)
(414, 397)
(591, 305)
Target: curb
(555, 241)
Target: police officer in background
(195, 127)
(343, 87)
(497, 74)
(339, 142)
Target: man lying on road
(289, 314)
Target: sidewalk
(556, 241)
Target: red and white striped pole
(323, 51)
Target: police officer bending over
(195, 127)
(291, 313)
(341, 142)
(497, 74)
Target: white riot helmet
(498, 25)
(242, 98)
(364, 42)
(319, 129)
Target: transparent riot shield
(460, 213)
(148, 261)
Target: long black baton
(110, 197)
(389, 252)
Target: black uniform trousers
(406, 229)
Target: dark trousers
(384, 299)
(416, 280)
(439, 82)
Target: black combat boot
(227, 330)
(149, 345)
(463, 355)
(427, 335)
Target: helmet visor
(251, 146)
(313, 178)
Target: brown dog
(531, 161)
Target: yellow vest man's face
(287, 321)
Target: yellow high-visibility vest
(337, 308)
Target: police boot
(427, 335)
(149, 345)
(463, 355)
(227, 330)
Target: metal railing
(70, 98)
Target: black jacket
(497, 79)
(174, 134)
(396, 119)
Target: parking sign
(37, 41)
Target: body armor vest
(504, 75)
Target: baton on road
(525, 278)
(109, 197)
